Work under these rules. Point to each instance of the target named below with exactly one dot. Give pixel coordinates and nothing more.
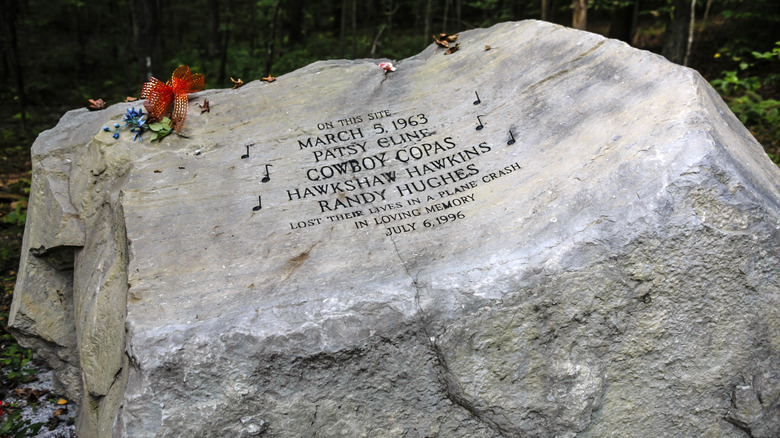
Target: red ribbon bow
(161, 94)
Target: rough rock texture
(599, 259)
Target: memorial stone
(544, 233)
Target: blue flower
(135, 121)
(132, 115)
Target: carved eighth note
(259, 204)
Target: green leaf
(35, 427)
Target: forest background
(58, 54)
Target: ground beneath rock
(40, 409)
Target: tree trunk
(635, 20)
(222, 75)
(269, 60)
(354, 29)
(11, 36)
(342, 28)
(691, 29)
(444, 18)
(389, 10)
(458, 16)
(296, 10)
(78, 13)
(580, 17)
(707, 10)
(427, 32)
(214, 40)
(548, 10)
(146, 33)
(676, 35)
(253, 29)
(375, 42)
(622, 22)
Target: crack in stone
(451, 387)
(416, 289)
(455, 395)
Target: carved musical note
(247, 152)
(267, 177)
(478, 101)
(259, 204)
(512, 140)
(480, 123)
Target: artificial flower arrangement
(166, 105)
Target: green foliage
(12, 220)
(731, 83)
(16, 359)
(16, 217)
(754, 110)
(750, 10)
(741, 91)
(17, 427)
(161, 129)
(768, 56)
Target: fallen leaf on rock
(487, 47)
(157, 171)
(444, 40)
(387, 66)
(59, 412)
(269, 78)
(130, 99)
(452, 49)
(96, 105)
(62, 401)
(205, 107)
(237, 83)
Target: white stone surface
(612, 271)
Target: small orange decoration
(161, 95)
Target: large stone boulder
(544, 233)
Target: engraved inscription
(389, 170)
